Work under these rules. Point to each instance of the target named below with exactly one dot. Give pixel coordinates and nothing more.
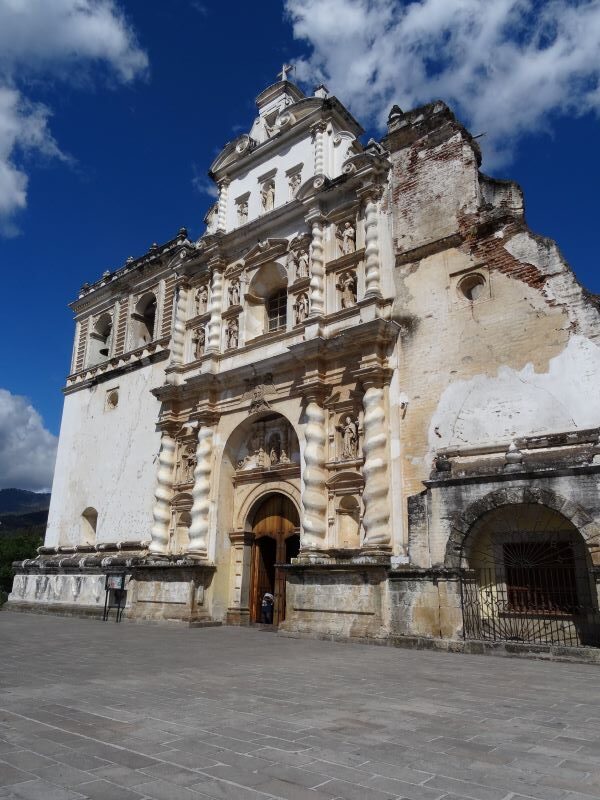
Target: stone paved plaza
(246, 714)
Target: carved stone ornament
(301, 309)
(258, 392)
(199, 342)
(234, 292)
(270, 443)
(294, 182)
(187, 463)
(267, 195)
(348, 429)
(242, 212)
(202, 299)
(347, 288)
(232, 334)
(302, 268)
(346, 236)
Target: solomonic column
(376, 519)
(178, 336)
(199, 527)
(317, 266)
(213, 343)
(372, 258)
(222, 205)
(314, 474)
(161, 511)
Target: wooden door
(275, 521)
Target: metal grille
(531, 586)
(277, 310)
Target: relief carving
(346, 237)
(348, 429)
(271, 443)
(267, 195)
(199, 342)
(301, 309)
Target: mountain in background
(22, 501)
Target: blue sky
(127, 130)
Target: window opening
(277, 310)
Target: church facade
(367, 389)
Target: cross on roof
(284, 71)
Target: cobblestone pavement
(123, 712)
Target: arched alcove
(266, 301)
(100, 340)
(143, 320)
(526, 575)
(89, 524)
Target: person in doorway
(267, 604)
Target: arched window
(89, 522)
(100, 340)
(144, 320)
(277, 310)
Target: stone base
(335, 595)
(155, 590)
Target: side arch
(574, 513)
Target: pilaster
(178, 336)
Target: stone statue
(199, 343)
(233, 331)
(234, 293)
(294, 183)
(267, 195)
(283, 458)
(349, 431)
(301, 309)
(202, 299)
(302, 264)
(242, 212)
(347, 239)
(273, 456)
(188, 464)
(347, 286)
(291, 264)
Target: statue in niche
(347, 239)
(202, 299)
(267, 195)
(242, 212)
(301, 309)
(302, 264)
(232, 334)
(283, 458)
(234, 292)
(294, 183)
(349, 432)
(347, 287)
(274, 448)
(199, 342)
(188, 464)
(291, 264)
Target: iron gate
(530, 586)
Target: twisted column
(178, 336)
(317, 270)
(372, 264)
(199, 526)
(216, 306)
(161, 510)
(314, 477)
(318, 130)
(222, 207)
(376, 520)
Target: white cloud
(66, 40)
(204, 185)
(505, 66)
(27, 449)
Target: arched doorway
(275, 525)
(526, 576)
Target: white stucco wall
(512, 403)
(106, 460)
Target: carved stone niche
(347, 289)
(186, 461)
(181, 519)
(345, 509)
(345, 430)
(201, 299)
(271, 444)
